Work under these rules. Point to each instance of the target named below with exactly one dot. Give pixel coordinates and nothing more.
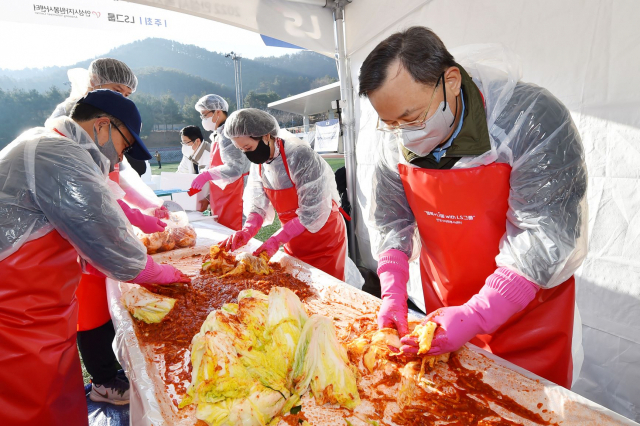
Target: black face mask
(260, 154)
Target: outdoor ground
(263, 234)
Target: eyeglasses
(205, 115)
(128, 145)
(418, 124)
(186, 143)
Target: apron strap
(344, 214)
(284, 161)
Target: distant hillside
(291, 74)
(161, 81)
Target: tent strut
(348, 116)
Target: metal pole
(240, 82)
(237, 68)
(348, 119)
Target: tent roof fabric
(308, 103)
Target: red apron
(225, 203)
(325, 249)
(461, 217)
(40, 377)
(93, 308)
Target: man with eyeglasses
(489, 173)
(95, 328)
(55, 206)
(196, 152)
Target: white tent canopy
(311, 102)
(586, 54)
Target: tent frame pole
(348, 118)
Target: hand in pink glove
(241, 238)
(154, 273)
(289, 230)
(504, 294)
(204, 177)
(161, 212)
(148, 224)
(393, 270)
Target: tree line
(21, 110)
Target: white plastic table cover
(150, 405)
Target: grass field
(173, 167)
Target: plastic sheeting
(148, 406)
(105, 414)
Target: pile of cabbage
(254, 360)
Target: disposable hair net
(311, 174)
(49, 182)
(101, 71)
(211, 103)
(109, 70)
(235, 163)
(250, 122)
(529, 129)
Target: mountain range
(168, 67)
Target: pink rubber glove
(154, 273)
(147, 224)
(161, 212)
(393, 270)
(289, 230)
(240, 238)
(204, 177)
(504, 294)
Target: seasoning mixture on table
(405, 388)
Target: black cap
(116, 105)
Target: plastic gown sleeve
(136, 191)
(315, 184)
(390, 214)
(546, 238)
(76, 200)
(235, 162)
(254, 199)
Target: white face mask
(437, 127)
(209, 124)
(187, 151)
